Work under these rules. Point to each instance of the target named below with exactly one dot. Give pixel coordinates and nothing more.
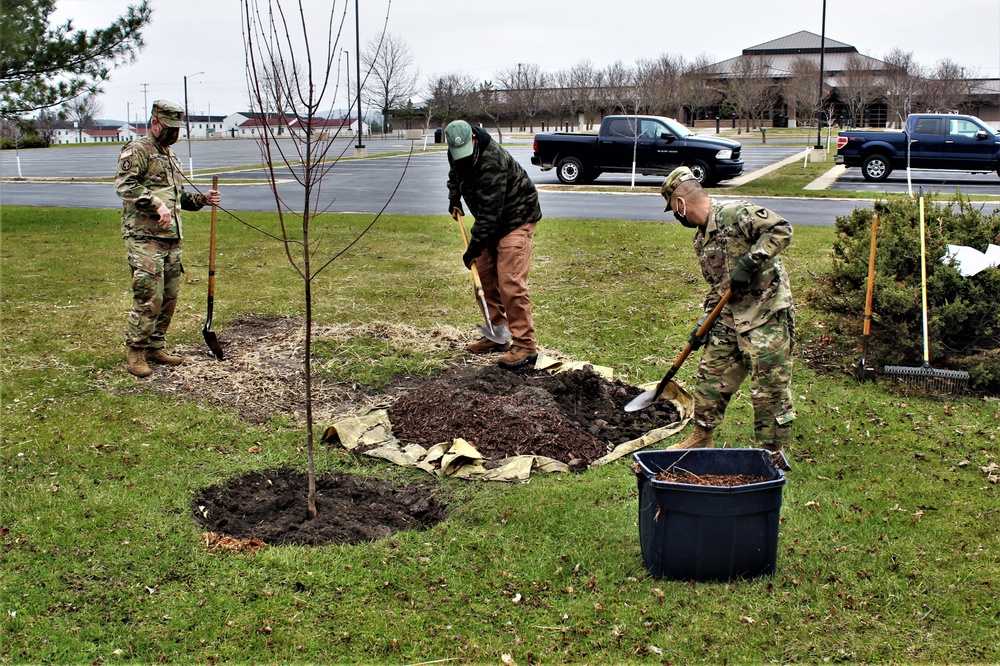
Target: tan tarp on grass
(371, 434)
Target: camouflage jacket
(497, 191)
(732, 230)
(147, 175)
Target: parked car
(927, 141)
(657, 145)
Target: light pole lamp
(187, 123)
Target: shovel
(498, 334)
(210, 338)
(666, 386)
(862, 371)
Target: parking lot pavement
(414, 183)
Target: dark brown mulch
(569, 415)
(271, 506)
(683, 476)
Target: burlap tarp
(370, 434)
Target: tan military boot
(701, 438)
(486, 346)
(162, 357)
(137, 362)
(517, 357)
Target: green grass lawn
(888, 552)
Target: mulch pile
(573, 415)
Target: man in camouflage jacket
(738, 246)
(150, 183)
(504, 202)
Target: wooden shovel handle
(476, 282)
(871, 278)
(211, 243)
(702, 330)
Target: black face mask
(169, 135)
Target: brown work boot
(517, 357)
(162, 357)
(701, 438)
(137, 363)
(486, 346)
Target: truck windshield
(677, 128)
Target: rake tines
(929, 379)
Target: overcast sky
(481, 37)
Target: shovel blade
(212, 340)
(498, 334)
(672, 392)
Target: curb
(827, 179)
(753, 175)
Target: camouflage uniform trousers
(156, 280)
(764, 353)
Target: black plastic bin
(439, 135)
(695, 532)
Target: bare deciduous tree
(291, 64)
(900, 84)
(525, 86)
(946, 89)
(450, 97)
(392, 79)
(752, 89)
(658, 84)
(83, 111)
(858, 87)
(801, 89)
(699, 93)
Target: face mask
(169, 135)
(682, 217)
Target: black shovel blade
(212, 340)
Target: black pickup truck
(659, 145)
(936, 141)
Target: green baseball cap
(458, 134)
(168, 113)
(673, 181)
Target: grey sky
(479, 38)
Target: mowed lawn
(889, 548)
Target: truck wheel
(702, 173)
(876, 167)
(570, 171)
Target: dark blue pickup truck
(935, 141)
(655, 144)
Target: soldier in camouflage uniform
(504, 202)
(150, 182)
(738, 245)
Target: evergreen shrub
(963, 312)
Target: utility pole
(145, 105)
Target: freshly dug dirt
(271, 507)
(570, 416)
(574, 415)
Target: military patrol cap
(673, 181)
(458, 133)
(168, 113)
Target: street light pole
(359, 150)
(819, 106)
(187, 124)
